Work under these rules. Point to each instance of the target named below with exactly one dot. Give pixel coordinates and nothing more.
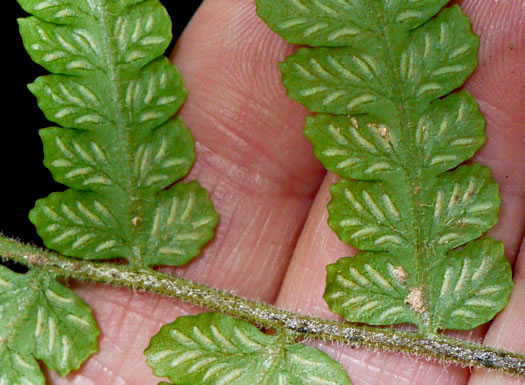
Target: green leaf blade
(333, 23)
(317, 23)
(450, 132)
(368, 216)
(61, 49)
(43, 319)
(152, 98)
(338, 80)
(83, 224)
(215, 349)
(442, 54)
(340, 143)
(181, 221)
(163, 155)
(372, 288)
(408, 15)
(141, 32)
(466, 204)
(76, 159)
(471, 286)
(76, 330)
(74, 102)
(18, 368)
(62, 12)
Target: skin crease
(273, 243)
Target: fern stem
(439, 347)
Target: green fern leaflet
(215, 349)
(113, 95)
(380, 76)
(41, 319)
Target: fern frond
(380, 78)
(113, 95)
(117, 149)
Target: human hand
(273, 243)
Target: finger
(318, 246)
(499, 85)
(508, 50)
(250, 148)
(254, 160)
(508, 330)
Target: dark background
(23, 177)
